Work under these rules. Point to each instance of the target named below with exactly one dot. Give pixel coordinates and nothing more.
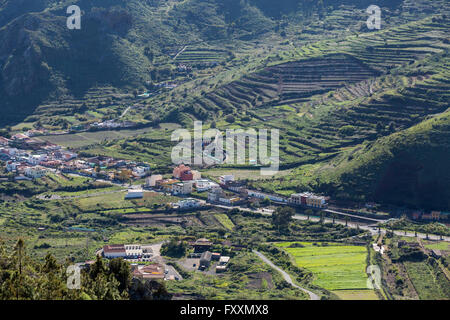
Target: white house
(114, 251)
(226, 178)
(215, 194)
(205, 185)
(140, 171)
(134, 194)
(182, 188)
(37, 159)
(67, 155)
(189, 203)
(11, 166)
(35, 172)
(260, 195)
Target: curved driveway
(286, 276)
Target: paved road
(353, 216)
(373, 229)
(286, 276)
(124, 112)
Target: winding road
(286, 276)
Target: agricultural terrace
(335, 266)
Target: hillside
(409, 167)
(130, 46)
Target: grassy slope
(409, 167)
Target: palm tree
(18, 251)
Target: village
(28, 158)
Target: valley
(87, 170)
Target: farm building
(205, 259)
(202, 245)
(135, 194)
(114, 251)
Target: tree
(121, 271)
(174, 248)
(322, 217)
(282, 217)
(230, 119)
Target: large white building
(135, 194)
(205, 185)
(260, 195)
(114, 251)
(133, 251)
(35, 172)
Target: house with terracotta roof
(151, 271)
(112, 251)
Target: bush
(230, 119)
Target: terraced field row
(328, 65)
(201, 55)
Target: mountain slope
(410, 168)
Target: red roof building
(183, 173)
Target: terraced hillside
(199, 55)
(290, 82)
(321, 68)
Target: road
(124, 112)
(353, 216)
(373, 229)
(181, 51)
(286, 276)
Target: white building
(135, 194)
(12, 166)
(37, 159)
(260, 195)
(205, 185)
(182, 188)
(222, 265)
(226, 178)
(196, 175)
(215, 194)
(151, 181)
(133, 251)
(141, 171)
(35, 172)
(67, 155)
(114, 251)
(189, 203)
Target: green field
(442, 245)
(429, 284)
(224, 220)
(356, 294)
(335, 266)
